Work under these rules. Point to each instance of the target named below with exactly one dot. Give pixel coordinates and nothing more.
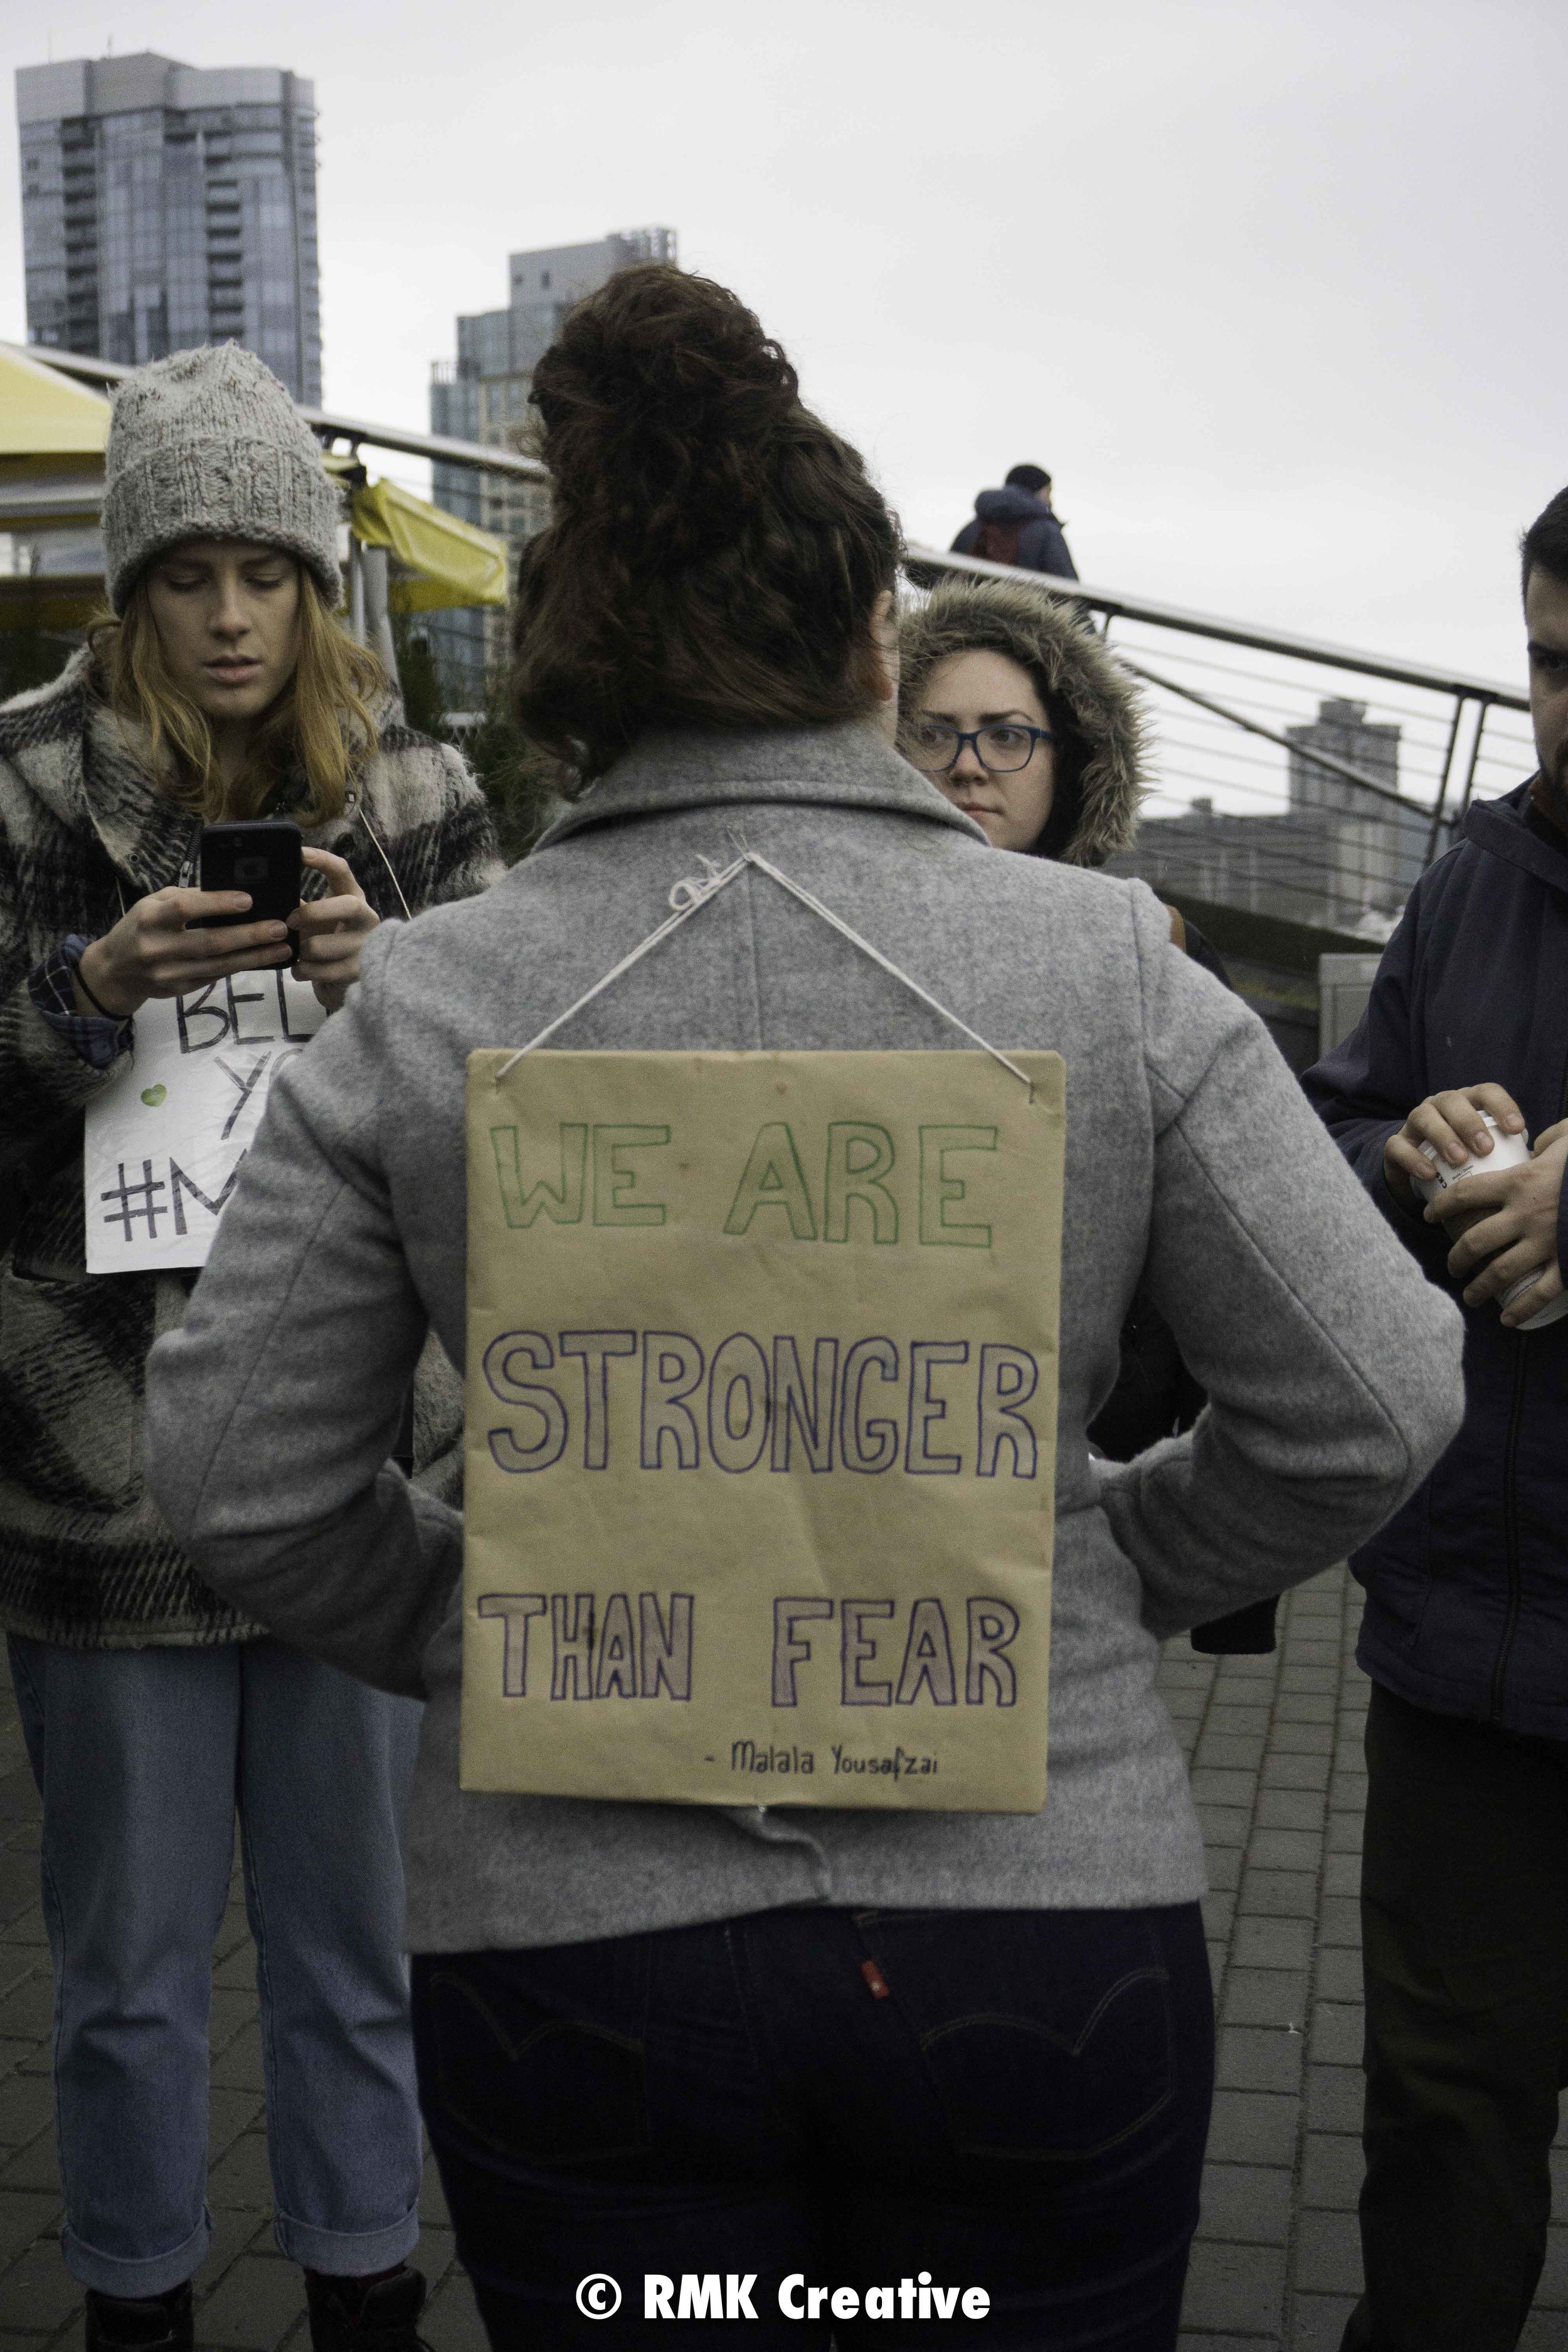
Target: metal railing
(1245, 811)
(1249, 811)
(330, 423)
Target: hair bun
(715, 553)
(665, 407)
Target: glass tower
(164, 206)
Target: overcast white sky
(1274, 287)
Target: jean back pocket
(1047, 2035)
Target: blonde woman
(221, 686)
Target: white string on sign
(686, 897)
(364, 820)
(691, 894)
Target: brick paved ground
(1274, 1746)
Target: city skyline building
(1337, 858)
(483, 396)
(166, 205)
(1379, 849)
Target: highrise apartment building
(165, 206)
(483, 396)
(1379, 849)
(1339, 859)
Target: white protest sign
(165, 1142)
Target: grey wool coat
(1333, 1366)
(85, 1557)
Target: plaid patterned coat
(85, 1558)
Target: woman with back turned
(838, 2047)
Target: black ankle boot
(360, 2315)
(156, 2323)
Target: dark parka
(1041, 545)
(85, 1558)
(1468, 1585)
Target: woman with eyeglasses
(1014, 709)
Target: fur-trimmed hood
(1047, 637)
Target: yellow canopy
(446, 561)
(52, 433)
(42, 414)
(52, 437)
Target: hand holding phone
(162, 947)
(175, 940)
(329, 931)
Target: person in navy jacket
(1017, 524)
(1465, 1875)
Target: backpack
(998, 542)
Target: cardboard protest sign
(761, 1443)
(165, 1142)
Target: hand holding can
(1509, 1151)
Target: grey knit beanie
(207, 445)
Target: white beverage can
(1506, 1151)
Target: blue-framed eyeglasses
(1004, 747)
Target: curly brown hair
(715, 550)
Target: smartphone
(260, 855)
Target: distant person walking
(1016, 525)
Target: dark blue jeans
(1010, 2100)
